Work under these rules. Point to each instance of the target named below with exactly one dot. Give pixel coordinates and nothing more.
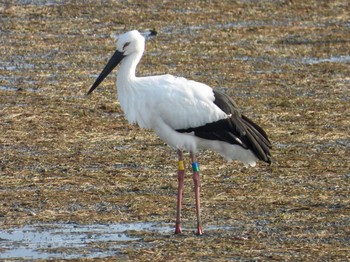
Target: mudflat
(68, 159)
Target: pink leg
(196, 181)
(180, 178)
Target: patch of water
(305, 60)
(333, 59)
(282, 145)
(8, 88)
(277, 62)
(11, 88)
(73, 241)
(252, 23)
(14, 66)
(47, 241)
(191, 29)
(41, 2)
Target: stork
(185, 114)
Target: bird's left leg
(195, 168)
(180, 178)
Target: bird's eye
(125, 45)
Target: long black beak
(112, 63)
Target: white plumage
(179, 102)
(167, 103)
(186, 114)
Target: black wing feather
(237, 129)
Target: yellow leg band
(181, 165)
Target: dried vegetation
(71, 158)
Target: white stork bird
(186, 114)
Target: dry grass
(66, 157)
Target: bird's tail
(258, 139)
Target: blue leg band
(195, 167)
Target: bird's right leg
(180, 178)
(196, 174)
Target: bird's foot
(178, 229)
(199, 230)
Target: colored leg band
(195, 167)
(181, 165)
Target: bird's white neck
(127, 70)
(126, 85)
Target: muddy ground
(67, 158)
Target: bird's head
(127, 44)
(133, 41)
